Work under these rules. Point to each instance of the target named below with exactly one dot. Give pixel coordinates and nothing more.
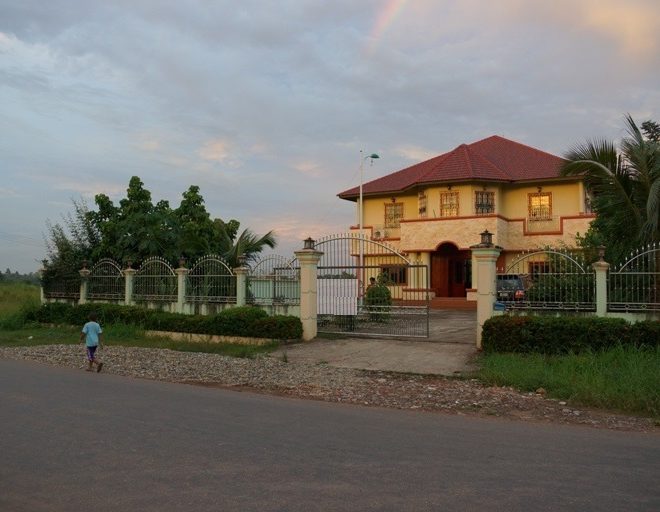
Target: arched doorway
(451, 271)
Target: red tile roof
(491, 159)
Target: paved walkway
(449, 349)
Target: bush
(563, 335)
(242, 321)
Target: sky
(266, 105)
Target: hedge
(562, 335)
(240, 321)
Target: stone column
(601, 268)
(42, 271)
(84, 276)
(129, 273)
(241, 285)
(181, 274)
(484, 257)
(309, 260)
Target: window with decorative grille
(484, 202)
(395, 274)
(448, 204)
(539, 206)
(393, 215)
(421, 203)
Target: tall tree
(137, 229)
(625, 183)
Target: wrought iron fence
(62, 288)
(106, 281)
(155, 281)
(211, 280)
(274, 280)
(548, 280)
(635, 284)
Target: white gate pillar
(601, 268)
(181, 274)
(484, 256)
(129, 273)
(84, 276)
(241, 285)
(309, 260)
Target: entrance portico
(451, 270)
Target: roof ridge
(468, 160)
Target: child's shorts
(90, 352)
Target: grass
(122, 335)
(16, 298)
(621, 378)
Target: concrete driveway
(449, 350)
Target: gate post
(181, 274)
(241, 285)
(601, 268)
(129, 273)
(309, 260)
(84, 275)
(485, 257)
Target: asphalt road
(72, 440)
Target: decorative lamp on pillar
(242, 259)
(309, 243)
(601, 253)
(85, 263)
(129, 262)
(486, 239)
(182, 262)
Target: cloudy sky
(266, 104)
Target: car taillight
(520, 294)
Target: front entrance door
(451, 271)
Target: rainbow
(383, 21)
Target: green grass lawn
(14, 296)
(621, 378)
(14, 331)
(121, 335)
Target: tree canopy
(137, 229)
(624, 181)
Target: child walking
(92, 336)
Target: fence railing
(63, 288)
(274, 281)
(211, 280)
(547, 280)
(106, 281)
(635, 285)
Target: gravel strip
(322, 382)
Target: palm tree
(625, 184)
(247, 244)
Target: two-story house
(435, 210)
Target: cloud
(217, 150)
(415, 153)
(10, 193)
(308, 168)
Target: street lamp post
(372, 156)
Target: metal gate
(548, 280)
(367, 288)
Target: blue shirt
(92, 331)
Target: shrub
(562, 335)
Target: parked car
(510, 288)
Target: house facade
(435, 210)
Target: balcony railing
(381, 232)
(543, 224)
